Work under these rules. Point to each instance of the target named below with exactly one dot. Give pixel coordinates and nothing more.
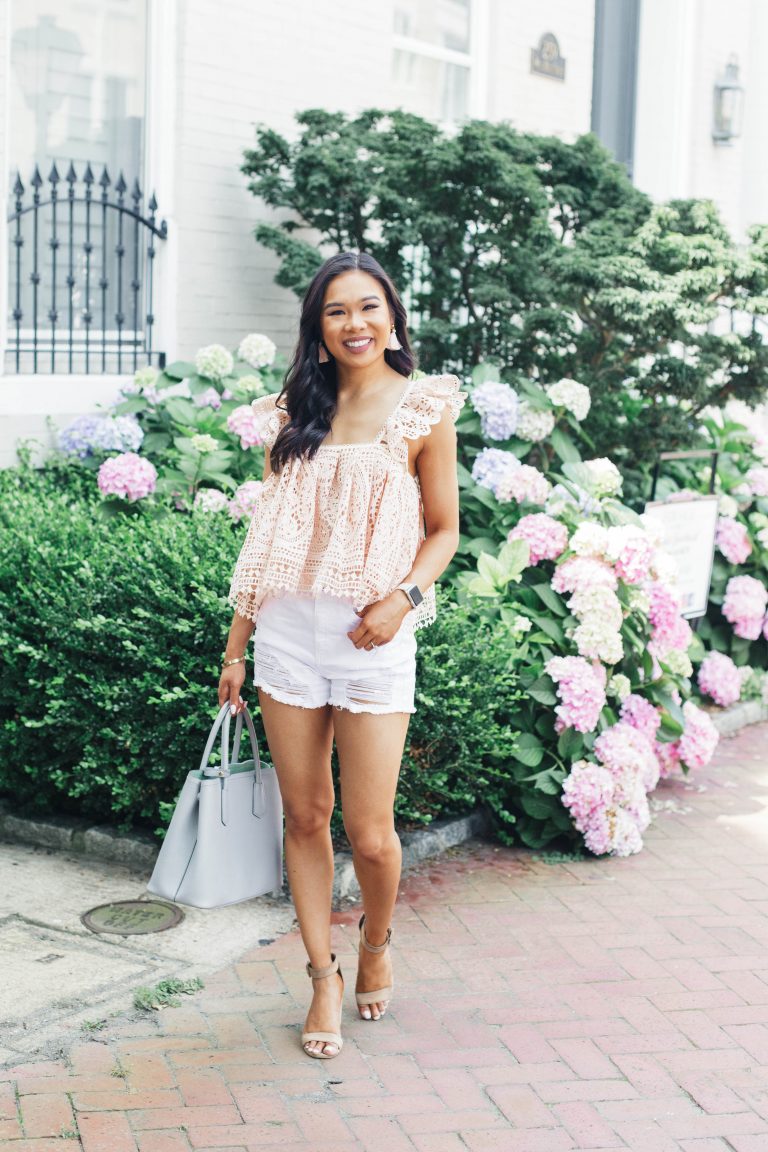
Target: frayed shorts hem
(348, 706)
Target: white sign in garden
(687, 532)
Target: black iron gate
(81, 275)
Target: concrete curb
(731, 720)
(102, 842)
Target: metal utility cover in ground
(132, 917)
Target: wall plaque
(546, 59)
(687, 529)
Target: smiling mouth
(358, 345)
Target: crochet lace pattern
(348, 522)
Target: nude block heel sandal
(324, 1037)
(369, 998)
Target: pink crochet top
(348, 522)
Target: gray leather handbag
(224, 843)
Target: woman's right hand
(230, 686)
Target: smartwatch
(413, 592)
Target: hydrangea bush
(556, 557)
(736, 625)
(184, 437)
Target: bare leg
(300, 742)
(370, 751)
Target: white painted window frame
(475, 60)
(159, 152)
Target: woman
(357, 518)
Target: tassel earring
(393, 343)
(322, 354)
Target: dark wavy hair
(310, 388)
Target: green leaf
(180, 370)
(551, 598)
(542, 690)
(564, 445)
(570, 744)
(181, 410)
(491, 570)
(528, 750)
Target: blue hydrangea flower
(88, 434)
(491, 465)
(497, 405)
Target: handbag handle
(222, 722)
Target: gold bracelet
(237, 660)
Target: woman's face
(355, 320)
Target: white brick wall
(255, 65)
(531, 102)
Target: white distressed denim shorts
(303, 656)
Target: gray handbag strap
(222, 722)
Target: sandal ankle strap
(375, 948)
(321, 973)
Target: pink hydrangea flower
(632, 551)
(697, 744)
(587, 789)
(243, 422)
(526, 485)
(757, 478)
(669, 629)
(128, 476)
(641, 715)
(732, 539)
(719, 678)
(581, 572)
(244, 500)
(745, 605)
(624, 749)
(581, 689)
(668, 756)
(547, 537)
(210, 500)
(208, 399)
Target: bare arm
(438, 480)
(240, 632)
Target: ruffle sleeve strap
(425, 402)
(269, 418)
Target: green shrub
(110, 661)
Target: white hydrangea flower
(211, 500)
(596, 640)
(604, 475)
(202, 442)
(589, 539)
(678, 662)
(571, 395)
(214, 361)
(619, 687)
(520, 625)
(534, 424)
(664, 569)
(597, 600)
(145, 377)
(639, 601)
(254, 385)
(257, 350)
(727, 506)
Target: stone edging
(101, 842)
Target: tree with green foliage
(536, 255)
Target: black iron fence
(81, 275)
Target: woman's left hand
(380, 621)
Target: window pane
(441, 22)
(431, 88)
(78, 85)
(77, 273)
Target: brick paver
(542, 1004)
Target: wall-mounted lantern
(728, 105)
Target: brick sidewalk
(539, 1007)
